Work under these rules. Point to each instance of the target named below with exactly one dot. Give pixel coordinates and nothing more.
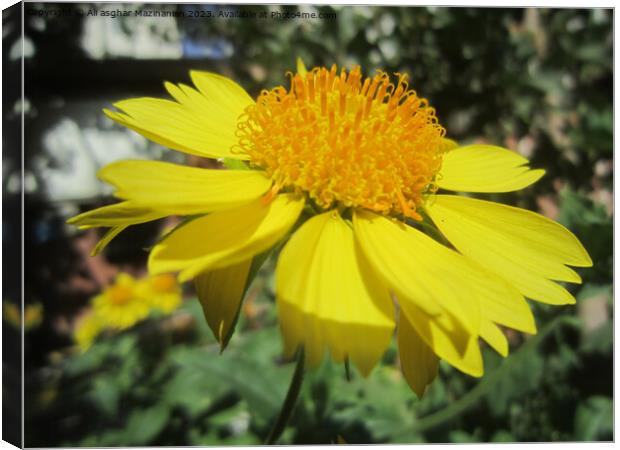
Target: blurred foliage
(538, 81)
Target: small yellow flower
(163, 292)
(87, 330)
(11, 314)
(125, 303)
(33, 315)
(121, 305)
(367, 156)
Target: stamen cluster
(348, 140)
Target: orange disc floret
(345, 139)
(164, 283)
(119, 294)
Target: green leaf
(590, 222)
(595, 302)
(383, 401)
(202, 330)
(250, 375)
(524, 374)
(192, 390)
(144, 424)
(87, 361)
(462, 437)
(600, 340)
(594, 419)
(503, 436)
(105, 394)
(577, 209)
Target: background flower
(121, 305)
(162, 291)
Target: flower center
(119, 295)
(163, 283)
(359, 142)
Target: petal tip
(301, 67)
(419, 392)
(536, 174)
(476, 372)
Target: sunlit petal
(525, 248)
(328, 298)
(485, 168)
(181, 189)
(224, 238)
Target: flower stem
(289, 402)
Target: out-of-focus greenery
(538, 81)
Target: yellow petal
(200, 123)
(433, 285)
(523, 247)
(494, 337)
(447, 338)
(150, 131)
(417, 360)
(87, 330)
(183, 190)
(329, 298)
(118, 214)
(220, 292)
(500, 301)
(225, 237)
(485, 168)
(220, 91)
(417, 268)
(107, 238)
(301, 67)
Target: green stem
(289, 402)
(477, 393)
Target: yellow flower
(162, 292)
(33, 315)
(122, 304)
(87, 330)
(11, 314)
(363, 157)
(125, 303)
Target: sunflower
(343, 169)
